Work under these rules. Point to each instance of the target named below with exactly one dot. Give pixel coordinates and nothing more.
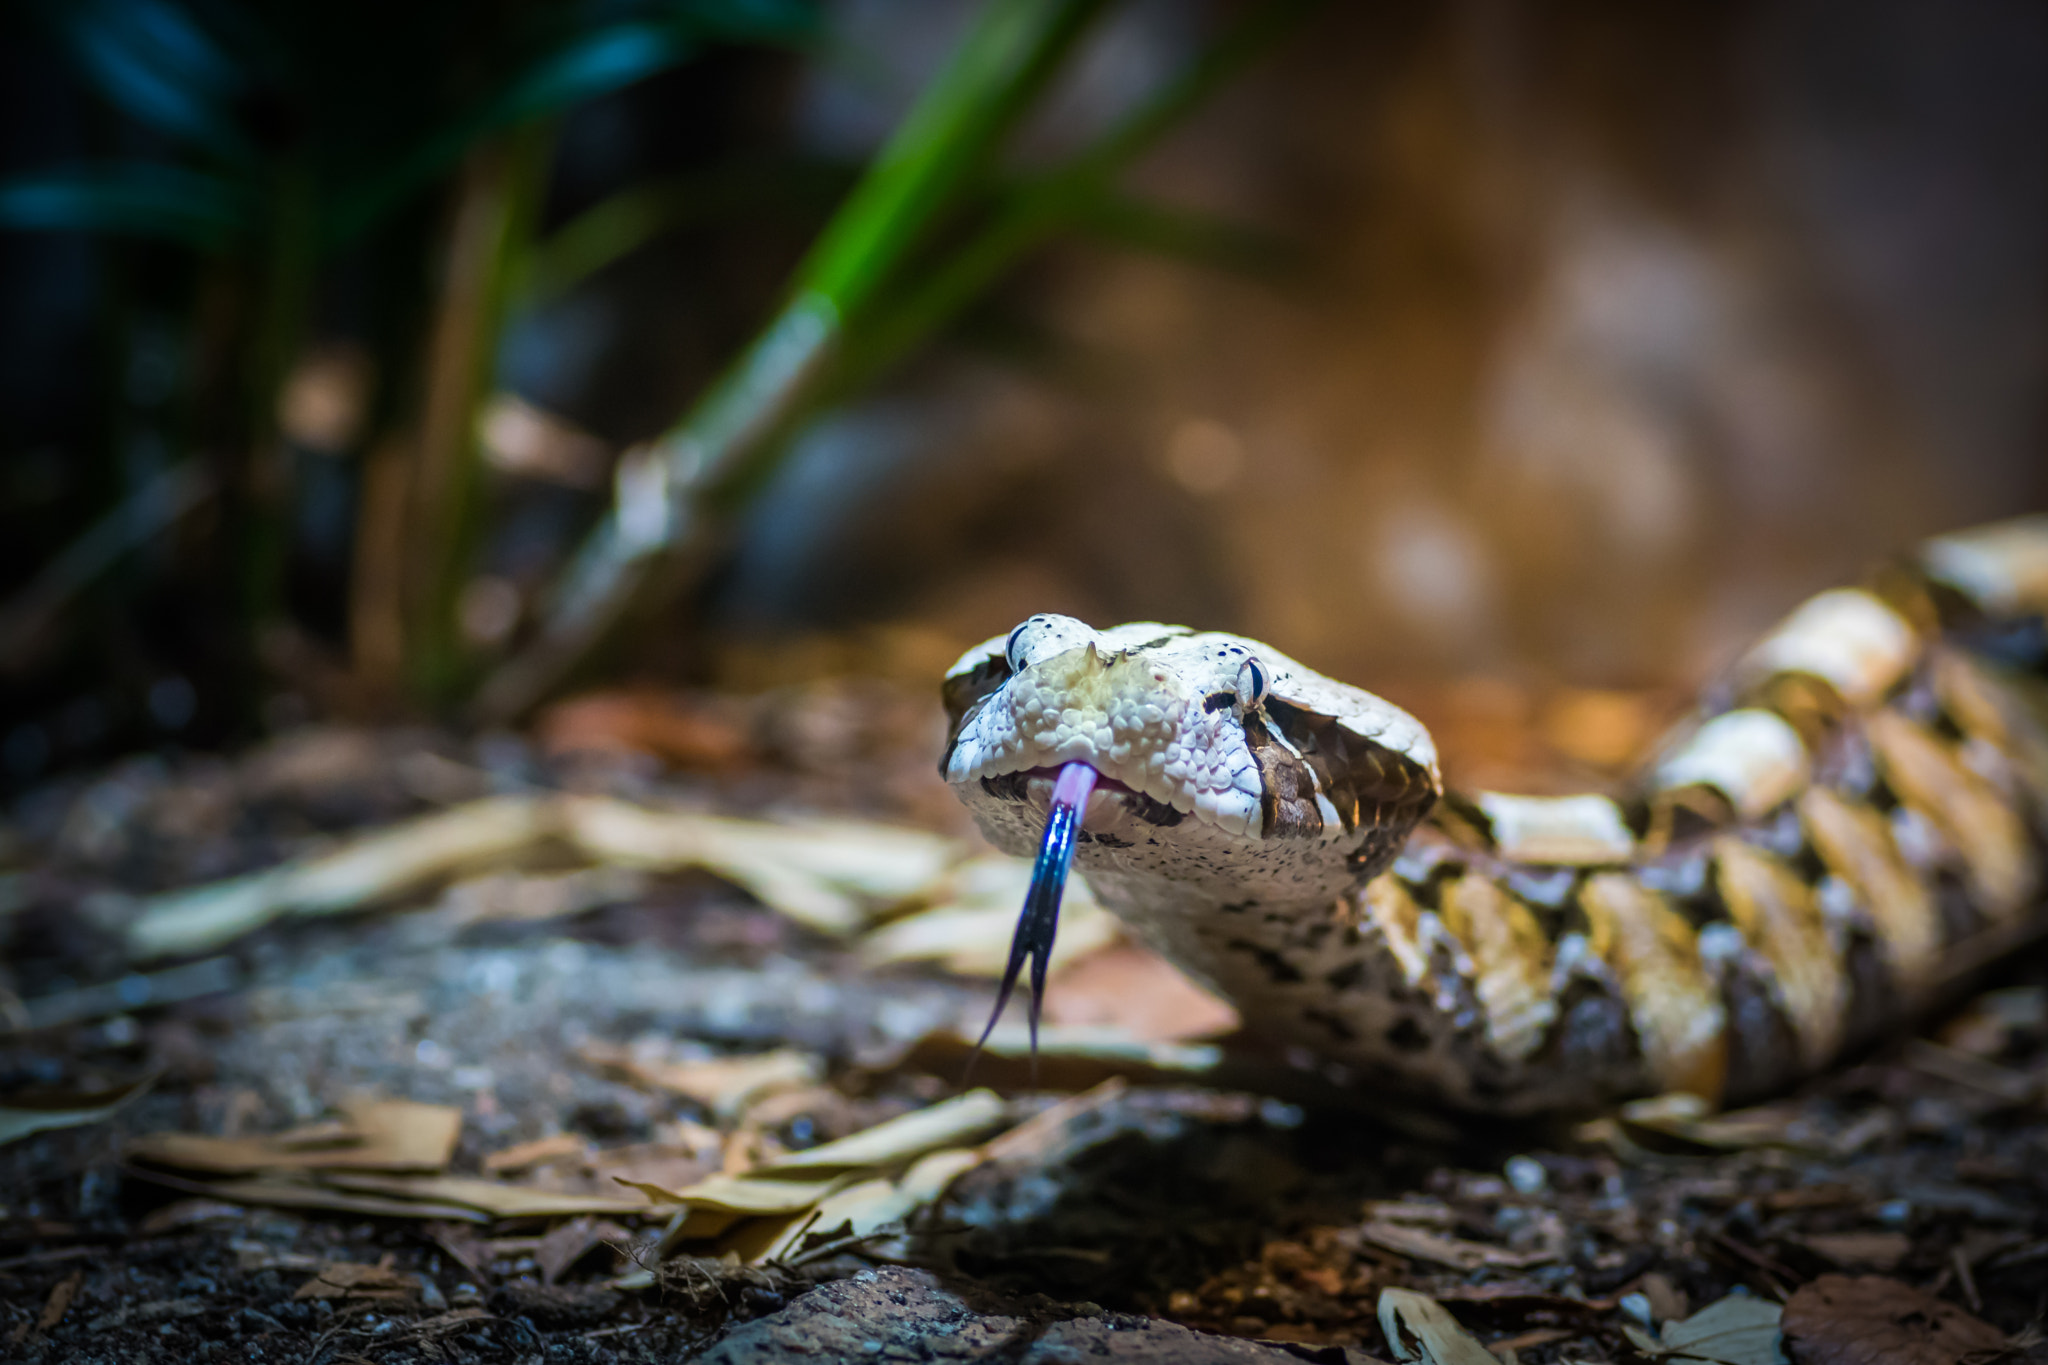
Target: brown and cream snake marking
(1856, 816)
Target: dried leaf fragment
(353, 1280)
(1865, 1319)
(381, 1135)
(536, 1152)
(1737, 1330)
(1421, 1330)
(725, 1085)
(1418, 1243)
(897, 1140)
(497, 1198)
(54, 1309)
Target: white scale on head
(1140, 704)
(1163, 714)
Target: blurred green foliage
(269, 140)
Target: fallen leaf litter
(723, 1182)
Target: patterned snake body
(1855, 818)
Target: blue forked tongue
(1040, 921)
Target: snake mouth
(1035, 786)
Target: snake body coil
(1855, 818)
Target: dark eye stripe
(1217, 701)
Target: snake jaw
(1130, 719)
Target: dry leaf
(464, 1245)
(656, 1163)
(1691, 1119)
(823, 873)
(872, 1206)
(1419, 1329)
(725, 1085)
(1031, 1141)
(818, 873)
(1737, 1330)
(494, 1197)
(747, 1194)
(1458, 1253)
(891, 1143)
(389, 1135)
(564, 1245)
(285, 1192)
(35, 1111)
(54, 1309)
(525, 1154)
(969, 930)
(367, 869)
(1858, 1320)
(350, 1280)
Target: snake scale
(1853, 820)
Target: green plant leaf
(590, 65)
(154, 61)
(143, 199)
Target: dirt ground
(1266, 1227)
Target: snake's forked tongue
(1040, 920)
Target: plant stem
(638, 554)
(1056, 202)
(496, 196)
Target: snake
(1850, 822)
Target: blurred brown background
(1529, 347)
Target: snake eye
(1251, 685)
(1010, 654)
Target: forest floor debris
(527, 1111)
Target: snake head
(1207, 747)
